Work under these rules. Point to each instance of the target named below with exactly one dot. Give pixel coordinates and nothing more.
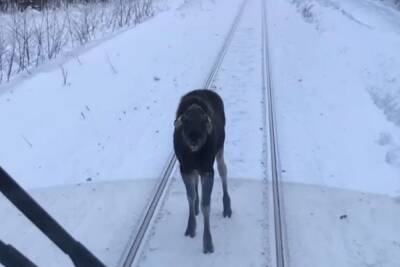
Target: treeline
(10, 5)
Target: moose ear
(209, 125)
(178, 122)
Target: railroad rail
(271, 148)
(134, 247)
(273, 155)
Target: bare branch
(111, 64)
(64, 73)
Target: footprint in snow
(393, 156)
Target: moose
(199, 138)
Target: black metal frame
(11, 257)
(78, 253)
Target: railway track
(272, 143)
(137, 241)
(270, 147)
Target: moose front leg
(196, 203)
(207, 181)
(189, 179)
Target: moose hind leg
(223, 172)
(207, 181)
(189, 181)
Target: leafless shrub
(10, 60)
(78, 60)
(83, 25)
(55, 28)
(2, 55)
(127, 12)
(64, 73)
(38, 36)
(28, 38)
(306, 11)
(22, 34)
(114, 70)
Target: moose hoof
(227, 213)
(190, 232)
(208, 246)
(227, 206)
(208, 249)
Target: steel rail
(137, 241)
(268, 95)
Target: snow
(244, 239)
(336, 227)
(104, 126)
(86, 211)
(101, 123)
(324, 72)
(238, 241)
(335, 68)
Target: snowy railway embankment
(336, 64)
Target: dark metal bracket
(11, 257)
(78, 253)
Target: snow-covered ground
(332, 227)
(101, 215)
(244, 239)
(335, 68)
(91, 150)
(112, 121)
(114, 117)
(335, 73)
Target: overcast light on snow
(91, 150)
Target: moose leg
(223, 172)
(189, 181)
(196, 203)
(207, 181)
